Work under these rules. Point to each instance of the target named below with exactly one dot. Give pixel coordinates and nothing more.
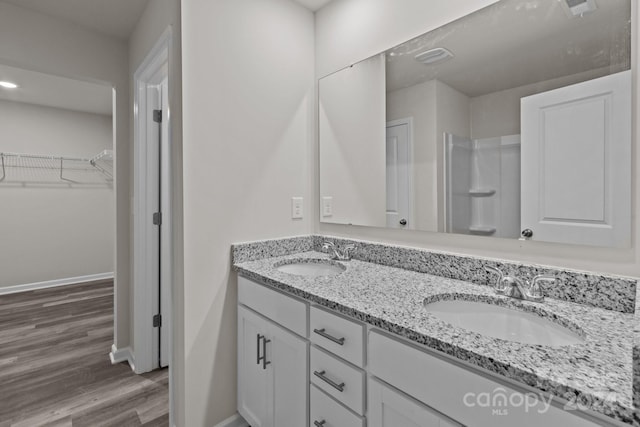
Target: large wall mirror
(511, 122)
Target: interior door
(576, 163)
(398, 172)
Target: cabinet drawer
(460, 393)
(389, 408)
(284, 310)
(338, 379)
(324, 408)
(340, 336)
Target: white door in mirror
(576, 163)
(398, 173)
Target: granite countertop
(596, 374)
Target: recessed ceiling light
(8, 85)
(432, 56)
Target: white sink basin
(504, 323)
(311, 267)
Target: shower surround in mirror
(382, 122)
(482, 186)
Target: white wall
(350, 30)
(38, 42)
(352, 149)
(52, 230)
(498, 113)
(249, 114)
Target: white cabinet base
(468, 397)
(401, 385)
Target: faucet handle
(347, 249)
(535, 290)
(328, 245)
(543, 278)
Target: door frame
(409, 122)
(146, 292)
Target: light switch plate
(297, 209)
(327, 206)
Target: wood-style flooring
(55, 368)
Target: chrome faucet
(339, 254)
(515, 288)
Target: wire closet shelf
(19, 167)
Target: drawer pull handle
(319, 423)
(322, 333)
(339, 387)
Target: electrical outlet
(297, 209)
(327, 206)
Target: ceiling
(515, 43)
(313, 5)
(53, 91)
(115, 18)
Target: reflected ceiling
(533, 49)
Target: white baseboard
(122, 355)
(53, 283)
(233, 421)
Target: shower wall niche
(482, 185)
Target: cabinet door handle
(264, 352)
(258, 349)
(339, 387)
(322, 333)
(319, 423)
(262, 358)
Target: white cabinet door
(389, 408)
(272, 373)
(288, 355)
(254, 394)
(576, 163)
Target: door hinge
(157, 320)
(157, 116)
(157, 218)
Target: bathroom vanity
(357, 346)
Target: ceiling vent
(580, 7)
(432, 56)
